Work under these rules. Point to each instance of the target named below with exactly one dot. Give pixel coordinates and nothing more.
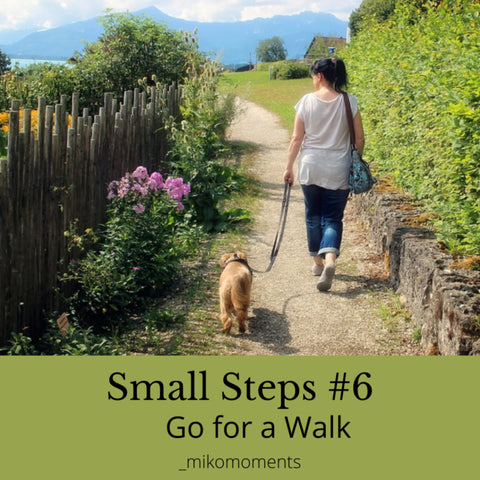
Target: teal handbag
(360, 179)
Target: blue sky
(42, 14)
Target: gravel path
(288, 315)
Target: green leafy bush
(379, 10)
(77, 341)
(290, 70)
(199, 150)
(418, 80)
(20, 344)
(141, 244)
(44, 79)
(131, 48)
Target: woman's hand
(288, 176)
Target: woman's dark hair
(334, 71)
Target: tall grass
(277, 96)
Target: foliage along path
(358, 316)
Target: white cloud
(20, 14)
(205, 10)
(17, 14)
(234, 10)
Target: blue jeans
(324, 218)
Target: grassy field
(278, 96)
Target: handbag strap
(348, 109)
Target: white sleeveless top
(324, 159)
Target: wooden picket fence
(60, 174)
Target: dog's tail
(241, 294)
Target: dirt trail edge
(288, 315)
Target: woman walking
(321, 141)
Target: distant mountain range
(232, 42)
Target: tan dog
(234, 291)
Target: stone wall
(444, 300)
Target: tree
(381, 9)
(131, 48)
(5, 63)
(43, 79)
(271, 50)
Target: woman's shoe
(317, 270)
(326, 279)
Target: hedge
(417, 77)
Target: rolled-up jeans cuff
(325, 250)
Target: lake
(24, 62)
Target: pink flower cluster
(140, 183)
(177, 189)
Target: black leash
(281, 227)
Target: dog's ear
(241, 255)
(224, 259)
